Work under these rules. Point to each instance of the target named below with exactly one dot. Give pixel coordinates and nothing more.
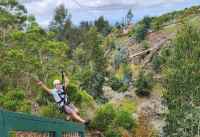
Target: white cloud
(123, 3)
(44, 9)
(40, 6)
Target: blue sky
(112, 10)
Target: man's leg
(74, 108)
(73, 114)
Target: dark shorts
(69, 109)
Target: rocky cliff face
(152, 107)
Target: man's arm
(66, 81)
(44, 87)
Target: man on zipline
(62, 100)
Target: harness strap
(63, 99)
(59, 101)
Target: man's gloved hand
(39, 82)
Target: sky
(112, 10)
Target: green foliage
(182, 84)
(91, 81)
(118, 25)
(124, 119)
(145, 44)
(121, 79)
(141, 29)
(15, 100)
(140, 32)
(124, 88)
(129, 16)
(43, 98)
(144, 84)
(120, 57)
(112, 132)
(103, 26)
(60, 22)
(127, 74)
(93, 66)
(81, 99)
(31, 52)
(158, 22)
(157, 62)
(156, 25)
(88, 63)
(128, 105)
(109, 119)
(34, 51)
(117, 84)
(104, 117)
(78, 96)
(147, 21)
(16, 17)
(51, 111)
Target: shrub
(124, 119)
(112, 132)
(147, 21)
(118, 85)
(144, 84)
(156, 62)
(160, 59)
(78, 96)
(127, 74)
(156, 25)
(140, 32)
(110, 119)
(51, 111)
(15, 100)
(141, 29)
(128, 105)
(145, 44)
(43, 98)
(90, 80)
(124, 88)
(115, 83)
(120, 57)
(104, 117)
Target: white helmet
(55, 82)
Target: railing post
(58, 134)
(3, 129)
(51, 134)
(81, 134)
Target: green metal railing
(11, 121)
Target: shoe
(87, 123)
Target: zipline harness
(64, 99)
